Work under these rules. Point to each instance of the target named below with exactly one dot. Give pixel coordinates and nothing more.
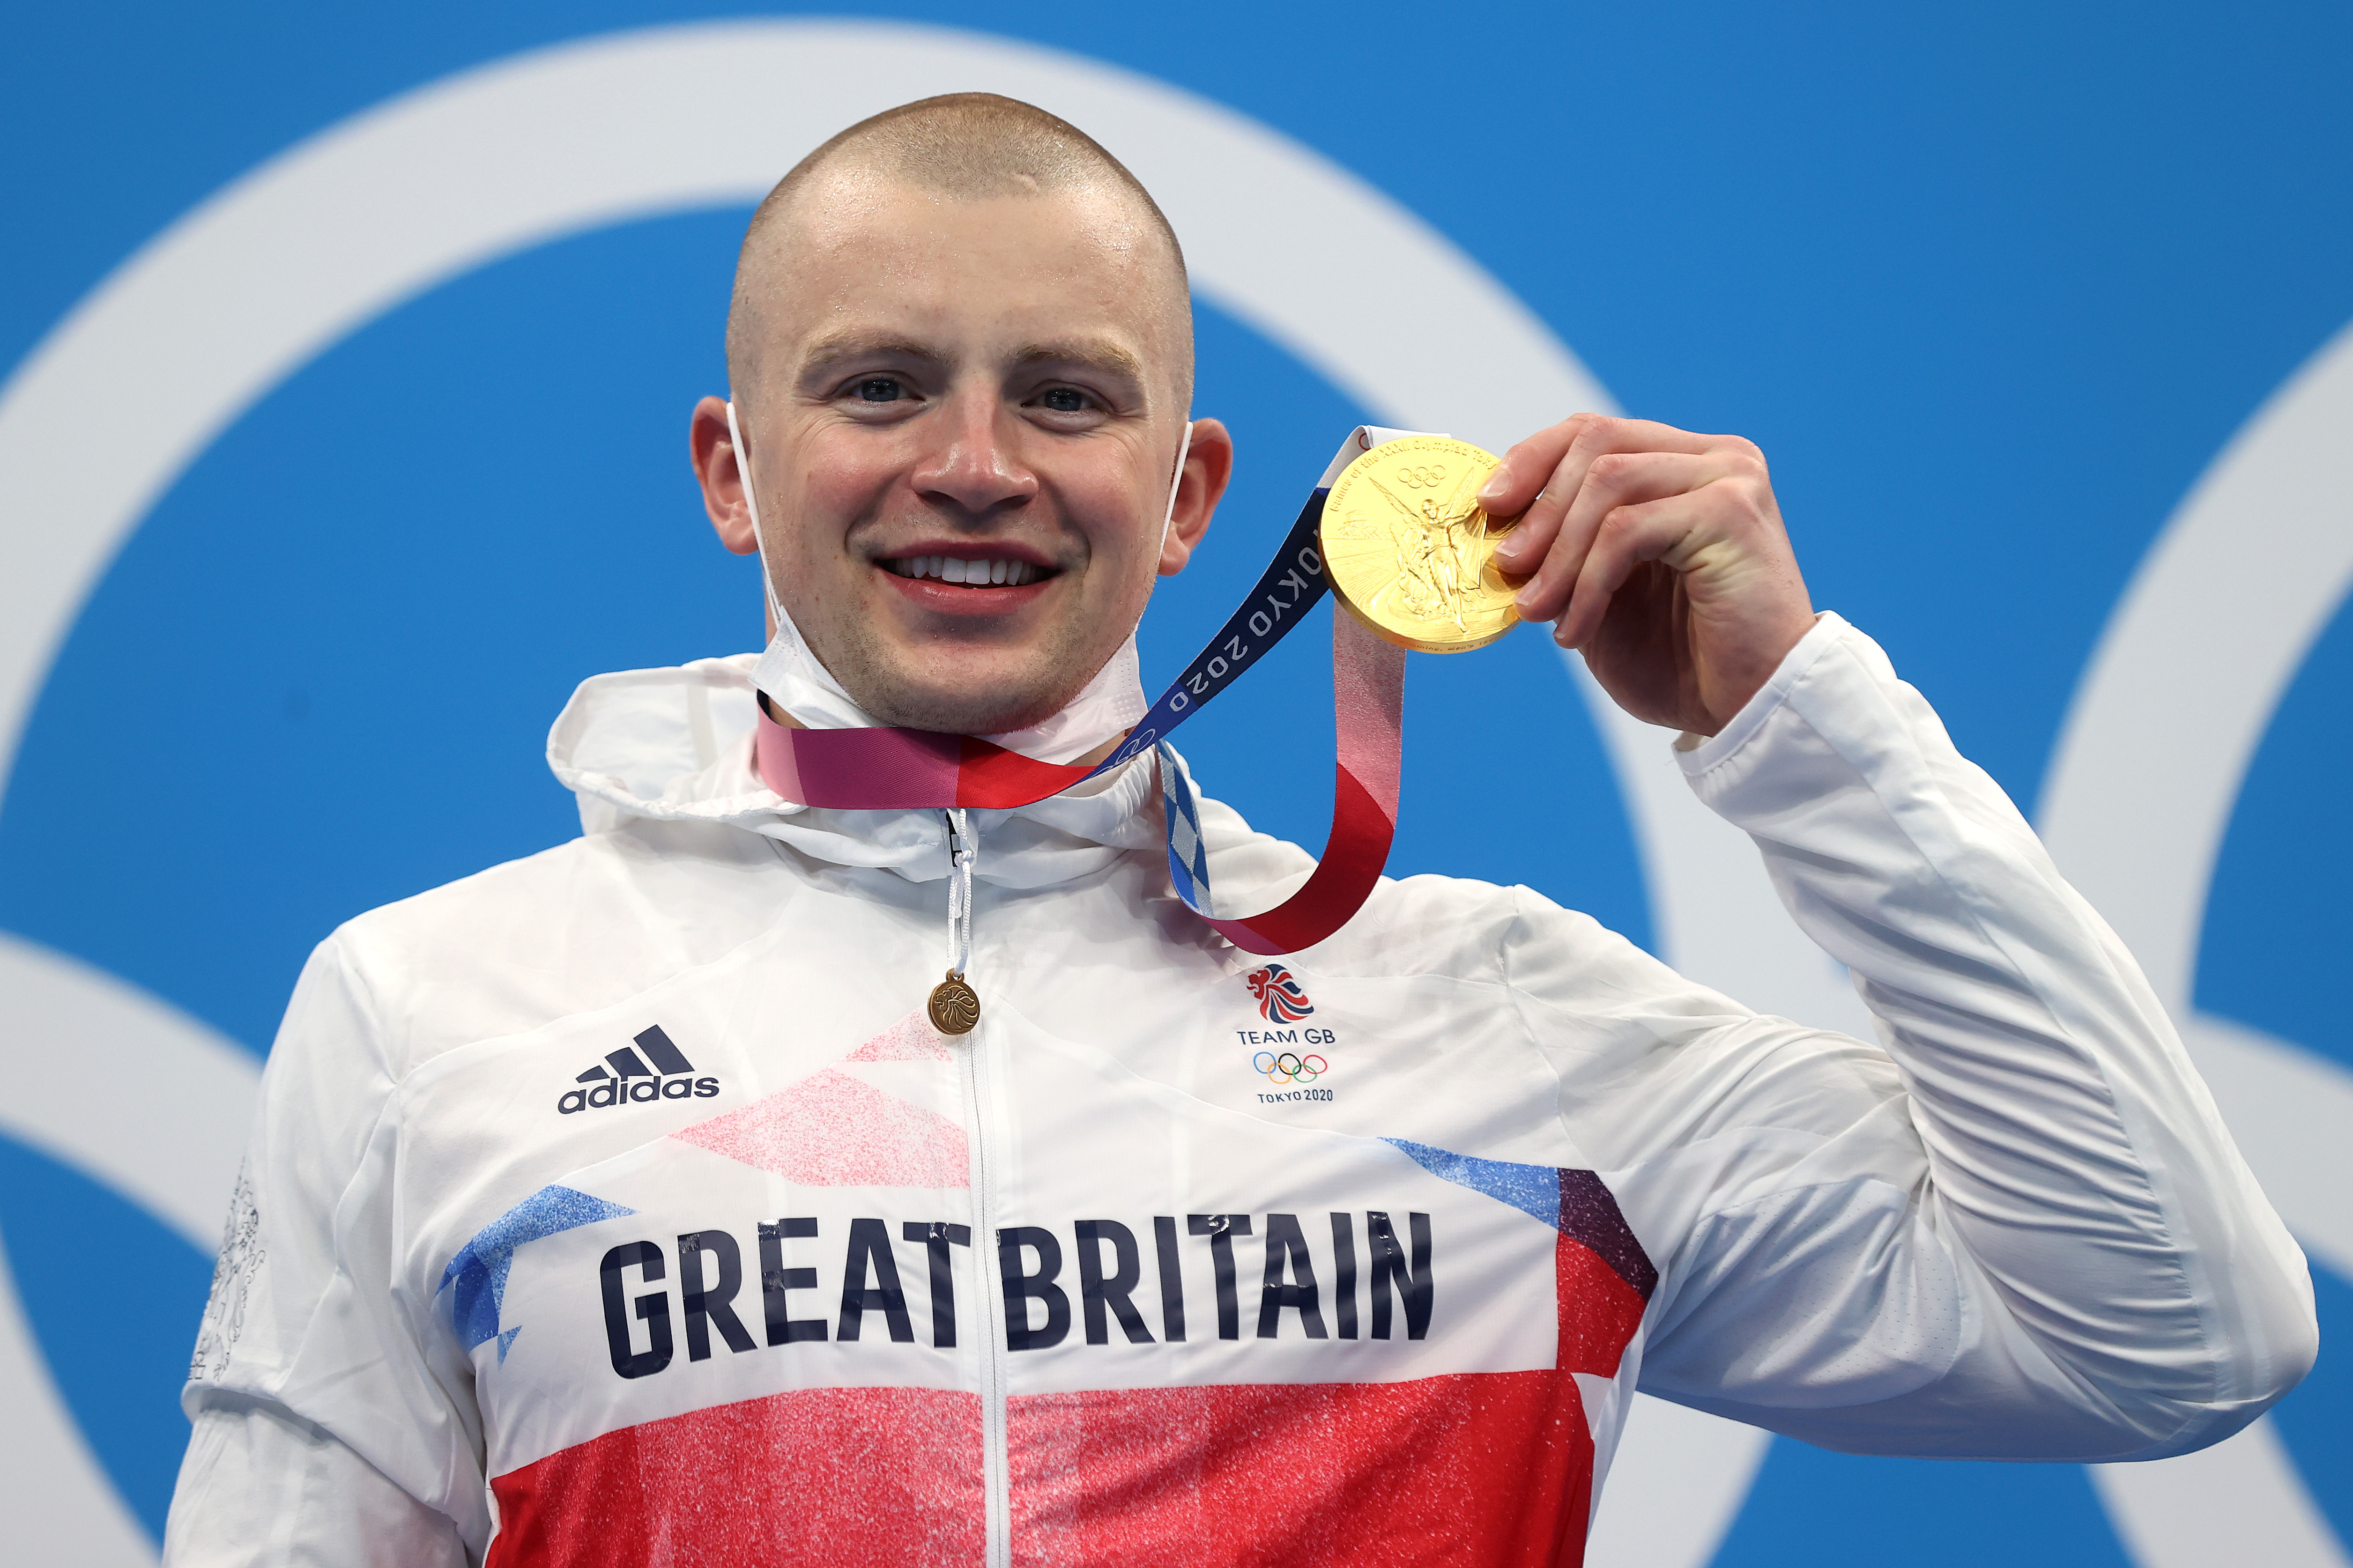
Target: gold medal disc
(1410, 552)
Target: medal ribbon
(887, 769)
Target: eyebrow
(837, 347)
(1097, 353)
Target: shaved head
(961, 349)
(963, 147)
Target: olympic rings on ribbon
(1291, 1067)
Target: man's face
(963, 426)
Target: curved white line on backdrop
(116, 402)
(2196, 657)
(2238, 1502)
(145, 1100)
(2215, 625)
(187, 335)
(123, 1088)
(65, 1509)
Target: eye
(880, 389)
(1064, 400)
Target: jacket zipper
(995, 1480)
(980, 1101)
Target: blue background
(1990, 285)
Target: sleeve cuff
(1697, 753)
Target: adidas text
(624, 1079)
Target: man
(624, 1204)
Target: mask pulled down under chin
(1108, 707)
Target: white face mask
(796, 681)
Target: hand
(1662, 557)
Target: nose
(974, 466)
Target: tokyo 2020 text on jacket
(619, 1205)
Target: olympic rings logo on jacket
(1288, 1067)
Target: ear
(718, 470)
(1207, 468)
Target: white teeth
(954, 569)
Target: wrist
(1762, 660)
(1821, 628)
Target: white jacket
(617, 1205)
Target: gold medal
(954, 1006)
(1411, 554)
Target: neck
(1089, 760)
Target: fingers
(1540, 477)
(1598, 499)
(1527, 467)
(1601, 495)
(1612, 480)
(1674, 530)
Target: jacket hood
(675, 746)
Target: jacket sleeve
(325, 1430)
(260, 1485)
(2014, 1228)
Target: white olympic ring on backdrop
(2143, 782)
(279, 266)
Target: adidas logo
(626, 1079)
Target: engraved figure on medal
(1411, 553)
(1438, 551)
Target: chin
(950, 716)
(962, 710)
(967, 692)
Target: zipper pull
(955, 1005)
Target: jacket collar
(675, 746)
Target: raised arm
(2015, 1226)
(2032, 1238)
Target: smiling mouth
(968, 572)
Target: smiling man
(628, 1203)
(976, 374)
